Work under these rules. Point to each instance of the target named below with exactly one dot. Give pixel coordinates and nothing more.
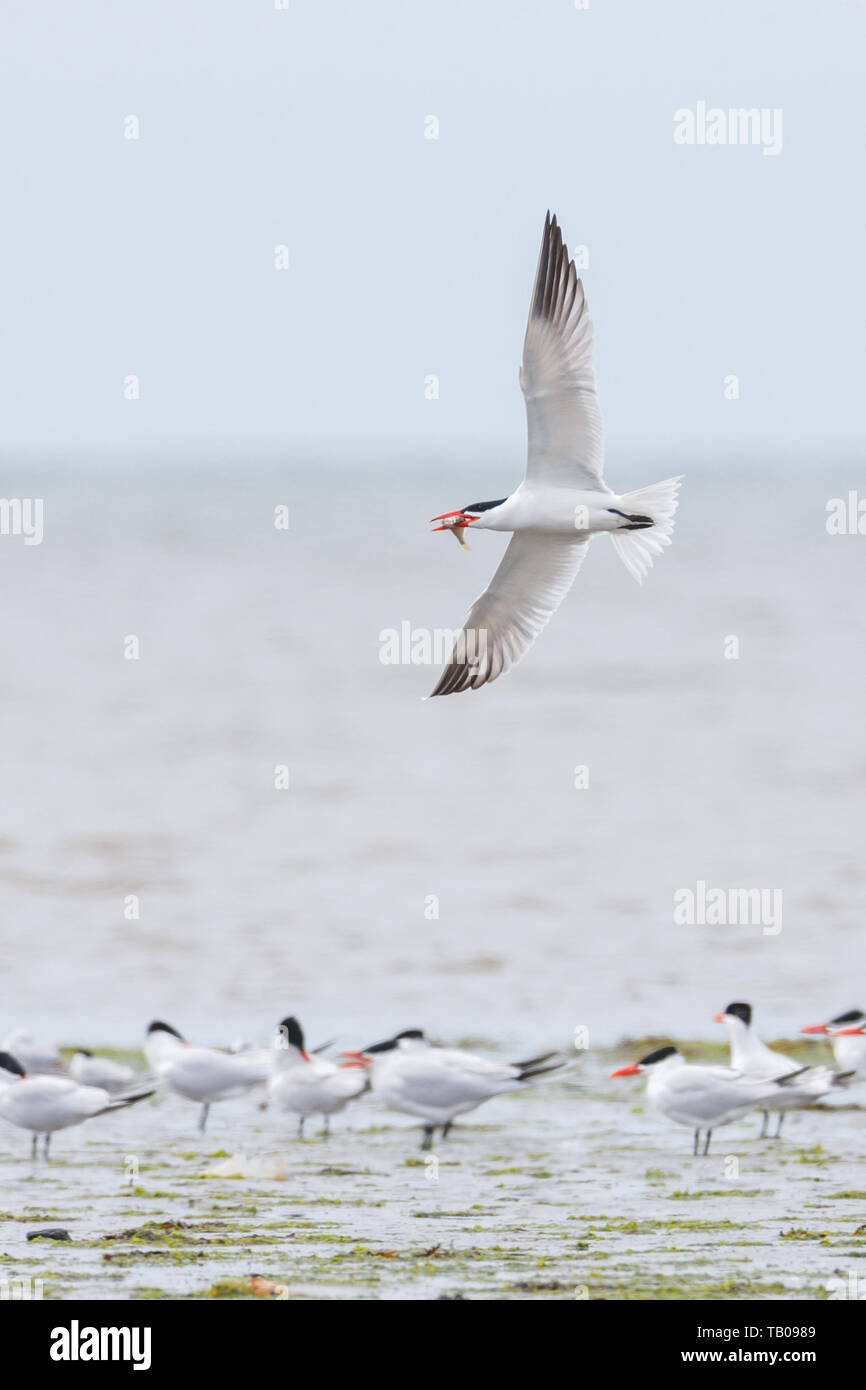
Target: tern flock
(411, 1074)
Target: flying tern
(563, 500)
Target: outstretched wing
(566, 431)
(534, 575)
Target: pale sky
(409, 257)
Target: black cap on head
(159, 1027)
(852, 1016)
(484, 506)
(10, 1063)
(291, 1030)
(741, 1011)
(390, 1043)
(658, 1056)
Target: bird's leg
(697, 1141)
(47, 1142)
(779, 1125)
(202, 1119)
(707, 1142)
(445, 1128)
(327, 1129)
(763, 1133)
(427, 1142)
(301, 1127)
(34, 1147)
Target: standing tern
(203, 1074)
(308, 1084)
(700, 1097)
(849, 1050)
(563, 500)
(754, 1059)
(35, 1056)
(44, 1103)
(858, 1031)
(102, 1071)
(413, 1076)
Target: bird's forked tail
(636, 548)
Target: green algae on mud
(570, 1199)
(725, 1192)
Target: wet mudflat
(573, 1190)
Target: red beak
(306, 1056)
(859, 1031)
(356, 1062)
(816, 1028)
(632, 1070)
(465, 519)
(359, 1056)
(720, 1018)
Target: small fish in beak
(456, 523)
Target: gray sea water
(260, 648)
